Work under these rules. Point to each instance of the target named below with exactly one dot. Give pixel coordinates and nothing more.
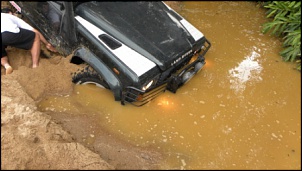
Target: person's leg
(35, 51)
(28, 40)
(25, 39)
(4, 61)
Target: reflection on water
(205, 125)
(248, 69)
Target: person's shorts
(23, 40)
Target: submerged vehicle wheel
(87, 75)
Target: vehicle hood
(150, 28)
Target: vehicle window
(33, 14)
(51, 11)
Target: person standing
(17, 33)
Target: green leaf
(271, 13)
(295, 52)
(292, 4)
(286, 23)
(298, 4)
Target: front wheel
(87, 75)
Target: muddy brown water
(242, 111)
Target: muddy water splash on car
(241, 111)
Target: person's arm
(47, 44)
(22, 24)
(42, 38)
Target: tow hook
(180, 79)
(174, 84)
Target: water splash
(248, 70)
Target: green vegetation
(286, 24)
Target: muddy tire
(87, 75)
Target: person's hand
(51, 48)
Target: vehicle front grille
(167, 74)
(167, 79)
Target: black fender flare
(99, 66)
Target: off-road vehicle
(136, 49)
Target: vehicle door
(48, 18)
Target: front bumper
(139, 97)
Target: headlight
(148, 85)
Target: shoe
(9, 70)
